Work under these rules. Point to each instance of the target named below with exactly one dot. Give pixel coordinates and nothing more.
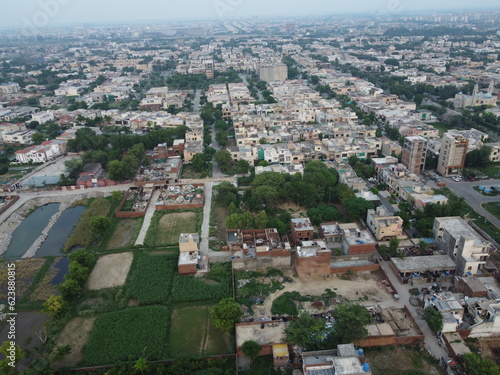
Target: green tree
(266, 195)
(38, 138)
(305, 330)
(342, 193)
(273, 179)
(226, 193)
(117, 195)
(221, 138)
(234, 221)
(100, 224)
(141, 365)
(225, 314)
(434, 319)
(350, 322)
(251, 349)
(261, 220)
(199, 162)
(70, 289)
(59, 353)
(53, 305)
(475, 365)
(116, 170)
(223, 158)
(357, 207)
(424, 226)
(13, 354)
(242, 166)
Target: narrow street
(147, 218)
(403, 290)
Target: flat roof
(188, 257)
(382, 329)
(272, 333)
(347, 365)
(280, 350)
(424, 263)
(458, 227)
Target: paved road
(473, 197)
(196, 105)
(244, 78)
(404, 294)
(213, 256)
(147, 218)
(26, 196)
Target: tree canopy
(225, 314)
(350, 322)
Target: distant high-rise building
(452, 154)
(209, 68)
(274, 72)
(414, 153)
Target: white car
(456, 179)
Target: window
(469, 268)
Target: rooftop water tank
(366, 367)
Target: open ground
(193, 333)
(172, 225)
(123, 234)
(75, 334)
(110, 270)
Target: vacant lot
(172, 225)
(490, 348)
(123, 234)
(193, 333)
(75, 334)
(26, 270)
(110, 271)
(389, 360)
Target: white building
(43, 117)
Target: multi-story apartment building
(452, 154)
(384, 225)
(271, 73)
(414, 153)
(462, 243)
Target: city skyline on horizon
(51, 13)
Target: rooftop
(424, 263)
(458, 227)
(302, 223)
(188, 257)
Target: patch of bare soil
(75, 334)
(123, 234)
(110, 270)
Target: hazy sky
(52, 12)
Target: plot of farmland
(172, 225)
(131, 333)
(75, 334)
(110, 271)
(193, 333)
(123, 234)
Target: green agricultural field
(214, 287)
(172, 225)
(192, 333)
(129, 334)
(123, 233)
(150, 278)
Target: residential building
(343, 361)
(462, 243)
(302, 230)
(274, 72)
(414, 153)
(9, 88)
(383, 225)
(452, 154)
(19, 137)
(188, 253)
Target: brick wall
(361, 249)
(396, 272)
(377, 341)
(162, 207)
(187, 269)
(13, 199)
(367, 267)
(128, 214)
(319, 265)
(266, 350)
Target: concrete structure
(383, 225)
(414, 153)
(18, 138)
(461, 243)
(471, 287)
(356, 241)
(9, 88)
(271, 73)
(343, 361)
(188, 253)
(429, 268)
(452, 154)
(302, 230)
(477, 98)
(189, 242)
(281, 355)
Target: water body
(29, 230)
(60, 232)
(62, 267)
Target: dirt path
(147, 219)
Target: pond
(60, 232)
(62, 269)
(29, 230)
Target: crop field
(150, 278)
(216, 286)
(130, 333)
(172, 225)
(82, 234)
(45, 287)
(122, 234)
(110, 270)
(192, 333)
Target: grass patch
(192, 333)
(172, 225)
(186, 288)
(493, 208)
(491, 170)
(150, 278)
(137, 230)
(82, 234)
(122, 234)
(284, 305)
(442, 127)
(127, 335)
(252, 285)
